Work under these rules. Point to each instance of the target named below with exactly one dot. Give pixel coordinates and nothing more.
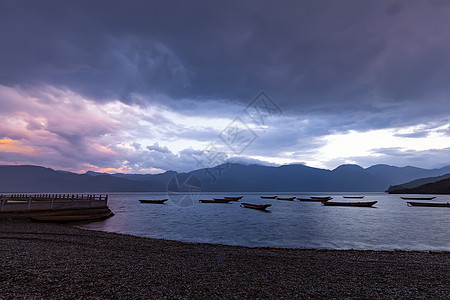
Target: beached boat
(359, 204)
(215, 201)
(288, 198)
(234, 198)
(154, 201)
(417, 198)
(256, 206)
(321, 198)
(268, 197)
(71, 218)
(429, 204)
(312, 200)
(353, 197)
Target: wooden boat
(417, 198)
(268, 197)
(154, 201)
(256, 206)
(429, 204)
(71, 218)
(312, 200)
(288, 199)
(234, 198)
(321, 198)
(353, 197)
(359, 204)
(215, 201)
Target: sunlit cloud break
(129, 91)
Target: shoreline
(52, 261)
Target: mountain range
(223, 178)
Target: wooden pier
(26, 205)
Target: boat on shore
(215, 201)
(255, 206)
(353, 197)
(417, 198)
(312, 200)
(321, 198)
(429, 204)
(358, 204)
(287, 199)
(234, 198)
(268, 197)
(71, 218)
(153, 201)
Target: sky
(149, 86)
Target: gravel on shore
(50, 261)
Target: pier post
(29, 202)
(3, 203)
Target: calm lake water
(389, 225)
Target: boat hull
(268, 197)
(154, 201)
(417, 198)
(233, 198)
(321, 198)
(357, 204)
(312, 200)
(71, 218)
(215, 201)
(440, 204)
(256, 206)
(286, 199)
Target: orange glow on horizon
(9, 145)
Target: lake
(389, 225)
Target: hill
(439, 187)
(415, 183)
(227, 178)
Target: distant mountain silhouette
(438, 187)
(223, 178)
(415, 183)
(40, 179)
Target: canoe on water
(215, 201)
(154, 201)
(313, 200)
(417, 198)
(288, 199)
(359, 204)
(234, 198)
(429, 204)
(256, 206)
(353, 197)
(321, 198)
(268, 197)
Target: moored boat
(429, 204)
(417, 198)
(288, 198)
(353, 197)
(153, 201)
(359, 204)
(321, 198)
(255, 206)
(71, 218)
(312, 200)
(215, 201)
(268, 197)
(234, 198)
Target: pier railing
(29, 202)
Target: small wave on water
(392, 225)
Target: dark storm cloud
(310, 55)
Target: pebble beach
(52, 261)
